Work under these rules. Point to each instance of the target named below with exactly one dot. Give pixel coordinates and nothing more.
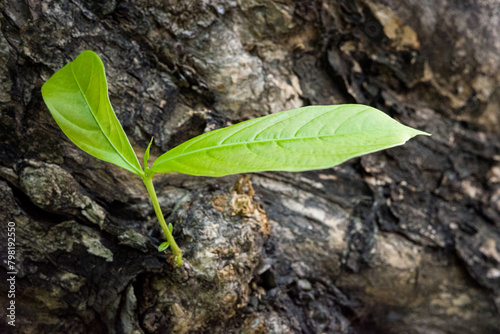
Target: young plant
(307, 138)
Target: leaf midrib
(99, 124)
(257, 142)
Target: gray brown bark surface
(402, 241)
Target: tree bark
(402, 241)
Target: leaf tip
(411, 132)
(146, 154)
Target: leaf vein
(309, 121)
(99, 124)
(253, 143)
(349, 118)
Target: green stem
(148, 182)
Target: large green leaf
(77, 97)
(301, 139)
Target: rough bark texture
(402, 241)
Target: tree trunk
(402, 241)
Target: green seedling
(307, 138)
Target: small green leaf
(163, 246)
(77, 97)
(315, 137)
(146, 154)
